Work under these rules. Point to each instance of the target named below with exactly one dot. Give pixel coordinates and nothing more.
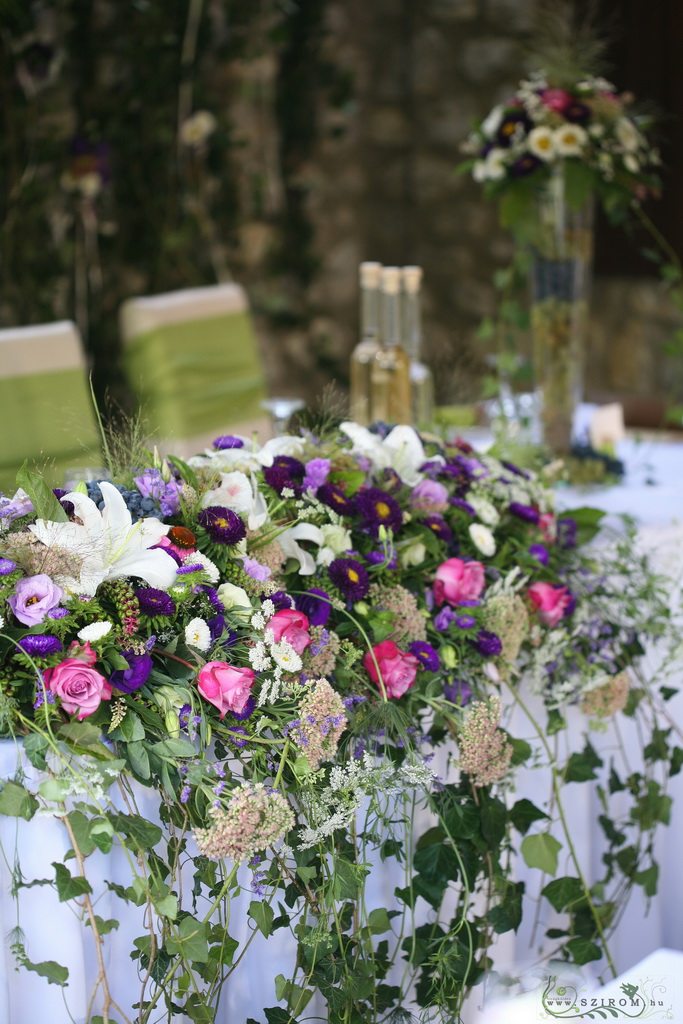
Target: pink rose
(458, 581)
(33, 598)
(79, 686)
(226, 686)
(82, 652)
(429, 496)
(397, 668)
(291, 626)
(552, 602)
(556, 99)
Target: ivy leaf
(45, 504)
(35, 748)
(581, 767)
(190, 942)
(648, 878)
(676, 761)
(17, 802)
(80, 826)
(521, 750)
(540, 851)
(262, 914)
(144, 834)
(68, 886)
(49, 969)
(563, 892)
(583, 950)
(138, 759)
(103, 927)
(507, 916)
(378, 921)
(493, 818)
(524, 814)
(276, 1015)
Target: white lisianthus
(485, 511)
(235, 600)
(285, 657)
(336, 540)
(483, 539)
(94, 632)
(198, 634)
(628, 135)
(570, 140)
(413, 555)
(211, 570)
(541, 142)
(631, 163)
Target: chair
(194, 366)
(47, 413)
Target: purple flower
(227, 441)
(377, 508)
(317, 472)
(515, 469)
(40, 645)
(216, 626)
(152, 485)
(425, 654)
(464, 505)
(33, 598)
(334, 497)
(458, 692)
(132, 678)
(15, 508)
(488, 644)
(539, 552)
(526, 164)
(256, 570)
(315, 604)
(154, 602)
(387, 556)
(391, 480)
(465, 621)
(439, 527)
(222, 525)
(510, 125)
(58, 613)
(443, 618)
(281, 600)
(524, 512)
(577, 113)
(566, 532)
(285, 471)
(350, 577)
(211, 594)
(7, 566)
(246, 712)
(236, 741)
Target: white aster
(485, 511)
(496, 167)
(570, 140)
(285, 657)
(541, 142)
(95, 631)
(108, 544)
(483, 539)
(198, 634)
(211, 570)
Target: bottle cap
(370, 274)
(391, 280)
(412, 277)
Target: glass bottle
(391, 367)
(421, 377)
(363, 355)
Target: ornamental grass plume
(409, 623)
(606, 700)
(322, 720)
(507, 617)
(256, 818)
(484, 752)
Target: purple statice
(350, 577)
(317, 472)
(540, 553)
(464, 505)
(222, 525)
(458, 691)
(130, 679)
(227, 441)
(334, 497)
(377, 508)
(256, 570)
(488, 644)
(443, 618)
(524, 512)
(319, 645)
(315, 604)
(566, 532)
(154, 602)
(439, 527)
(42, 697)
(7, 566)
(425, 654)
(40, 645)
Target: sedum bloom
(485, 753)
(255, 819)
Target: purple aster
(443, 618)
(566, 532)
(515, 469)
(488, 644)
(350, 577)
(526, 164)
(7, 566)
(317, 472)
(40, 645)
(425, 654)
(212, 595)
(438, 525)
(335, 498)
(132, 678)
(58, 613)
(577, 113)
(281, 600)
(216, 626)
(154, 602)
(539, 552)
(464, 505)
(238, 741)
(377, 508)
(524, 512)
(465, 621)
(458, 692)
(227, 441)
(222, 525)
(279, 478)
(510, 125)
(315, 604)
(246, 712)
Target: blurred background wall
(333, 132)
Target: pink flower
(397, 668)
(552, 603)
(79, 686)
(429, 496)
(556, 99)
(458, 581)
(225, 685)
(82, 652)
(548, 527)
(291, 626)
(33, 598)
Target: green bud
(448, 656)
(80, 487)
(361, 608)
(172, 724)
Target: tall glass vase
(560, 280)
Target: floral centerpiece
(277, 641)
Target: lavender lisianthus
(15, 508)
(255, 569)
(33, 598)
(132, 678)
(443, 618)
(317, 472)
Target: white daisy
(483, 539)
(495, 164)
(95, 631)
(541, 142)
(198, 634)
(285, 657)
(570, 140)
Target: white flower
(631, 163)
(480, 172)
(211, 570)
(258, 658)
(413, 555)
(336, 540)
(495, 164)
(198, 634)
(493, 121)
(400, 450)
(541, 142)
(233, 492)
(291, 549)
(628, 135)
(570, 140)
(236, 600)
(285, 657)
(485, 511)
(483, 539)
(95, 631)
(491, 671)
(108, 544)
(197, 128)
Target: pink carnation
(551, 603)
(556, 99)
(458, 581)
(397, 668)
(291, 626)
(226, 686)
(79, 686)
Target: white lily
(291, 549)
(107, 545)
(401, 450)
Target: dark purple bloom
(7, 566)
(285, 472)
(222, 525)
(212, 595)
(238, 741)
(539, 552)
(515, 469)
(377, 508)
(526, 164)
(227, 441)
(130, 679)
(488, 643)
(465, 621)
(334, 497)
(443, 618)
(458, 692)
(566, 532)
(438, 525)
(281, 600)
(464, 505)
(154, 602)
(391, 480)
(509, 126)
(524, 512)
(577, 113)
(40, 645)
(246, 712)
(216, 626)
(350, 577)
(425, 654)
(317, 472)
(387, 556)
(315, 604)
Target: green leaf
(138, 759)
(524, 814)
(174, 748)
(80, 826)
(262, 914)
(648, 878)
(507, 916)
(581, 767)
(45, 504)
(68, 886)
(493, 819)
(190, 942)
(579, 183)
(276, 1015)
(587, 521)
(676, 760)
(540, 851)
(103, 927)
(144, 833)
(583, 950)
(35, 748)
(17, 802)
(521, 750)
(186, 472)
(346, 880)
(437, 865)
(167, 906)
(378, 921)
(564, 892)
(50, 969)
(81, 734)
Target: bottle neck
(391, 320)
(413, 324)
(369, 313)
